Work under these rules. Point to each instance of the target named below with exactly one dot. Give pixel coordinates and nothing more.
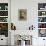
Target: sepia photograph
(22, 14)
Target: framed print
(4, 29)
(22, 14)
(42, 32)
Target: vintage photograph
(22, 14)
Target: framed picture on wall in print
(22, 14)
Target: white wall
(3, 1)
(32, 14)
(31, 6)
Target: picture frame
(42, 33)
(4, 29)
(22, 14)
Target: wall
(3, 1)
(31, 6)
(32, 14)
